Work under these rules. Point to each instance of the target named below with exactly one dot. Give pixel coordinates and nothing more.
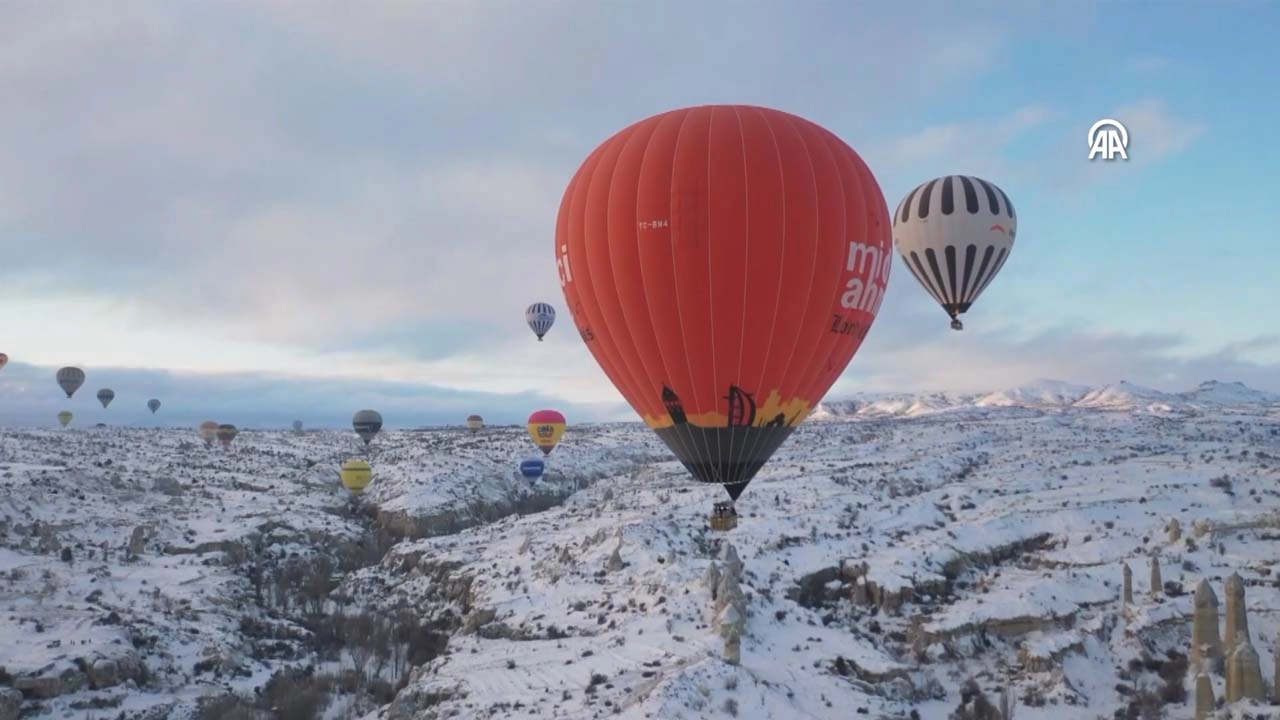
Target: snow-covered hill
(890, 559)
(1056, 395)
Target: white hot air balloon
(954, 233)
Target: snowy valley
(929, 555)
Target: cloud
(29, 396)
(911, 348)
(996, 147)
(303, 183)
(973, 147)
(1147, 64)
(367, 197)
(1154, 133)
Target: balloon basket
(956, 324)
(723, 517)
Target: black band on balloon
(729, 456)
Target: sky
(260, 210)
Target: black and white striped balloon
(955, 233)
(540, 317)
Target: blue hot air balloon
(540, 317)
(532, 468)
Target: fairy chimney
(1205, 643)
(1204, 696)
(1157, 584)
(733, 645)
(1175, 530)
(712, 578)
(1244, 673)
(732, 563)
(1128, 585)
(1275, 685)
(1237, 627)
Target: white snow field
(898, 551)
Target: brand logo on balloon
(724, 264)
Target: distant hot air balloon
(4, 360)
(367, 423)
(105, 396)
(356, 475)
(209, 431)
(227, 433)
(540, 317)
(297, 426)
(546, 427)
(64, 417)
(70, 379)
(475, 423)
(153, 405)
(723, 264)
(954, 233)
(532, 468)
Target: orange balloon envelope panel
(723, 264)
(546, 427)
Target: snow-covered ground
(895, 548)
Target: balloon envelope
(226, 433)
(954, 233)
(64, 417)
(153, 405)
(297, 426)
(532, 468)
(4, 360)
(475, 422)
(546, 427)
(356, 475)
(723, 264)
(367, 423)
(70, 379)
(540, 316)
(209, 431)
(105, 396)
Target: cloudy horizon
(277, 210)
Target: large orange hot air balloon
(723, 264)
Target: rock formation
(1204, 695)
(1244, 673)
(1205, 642)
(731, 627)
(1157, 583)
(1128, 585)
(1237, 629)
(711, 578)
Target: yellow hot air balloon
(64, 417)
(546, 427)
(356, 475)
(475, 423)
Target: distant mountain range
(1057, 395)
